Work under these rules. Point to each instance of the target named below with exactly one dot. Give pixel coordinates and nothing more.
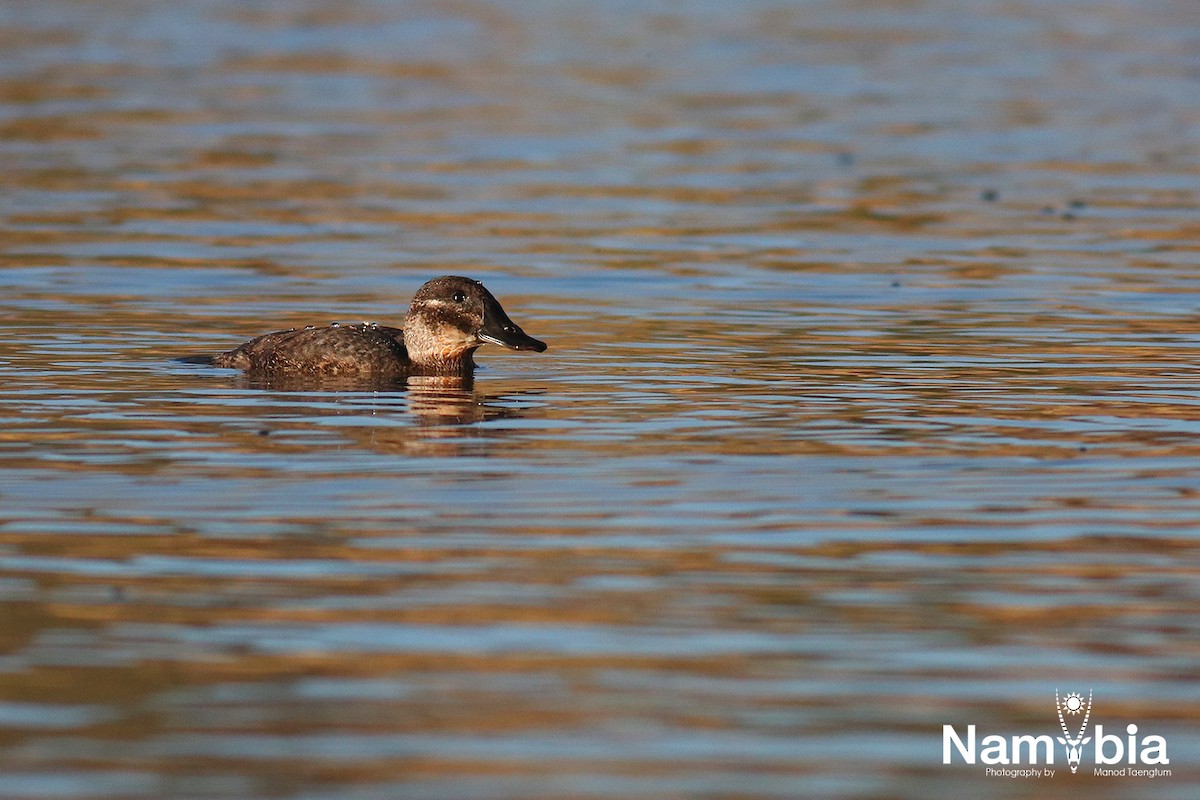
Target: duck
(448, 319)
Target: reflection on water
(432, 400)
(417, 415)
(871, 407)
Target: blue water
(869, 405)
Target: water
(870, 404)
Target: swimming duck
(449, 318)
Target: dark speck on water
(757, 525)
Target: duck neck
(433, 354)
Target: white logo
(1136, 755)
(1073, 744)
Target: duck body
(449, 318)
(332, 350)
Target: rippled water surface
(870, 404)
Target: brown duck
(449, 319)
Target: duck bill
(499, 329)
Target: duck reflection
(435, 400)
(440, 412)
(450, 401)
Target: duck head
(450, 317)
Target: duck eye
(459, 297)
